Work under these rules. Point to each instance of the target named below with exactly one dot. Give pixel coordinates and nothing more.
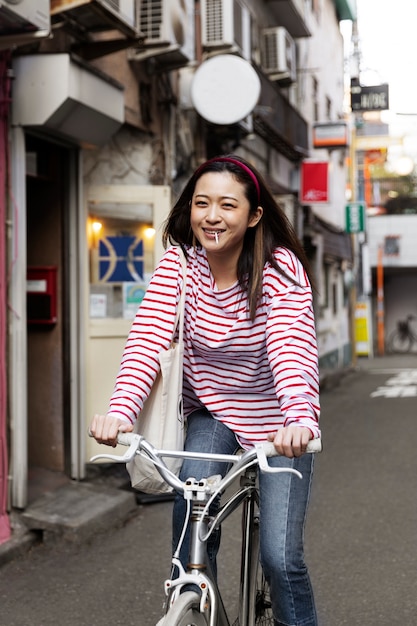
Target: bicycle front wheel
(185, 612)
(255, 602)
(399, 343)
(263, 607)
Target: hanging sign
(374, 98)
(355, 217)
(314, 182)
(331, 135)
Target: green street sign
(355, 217)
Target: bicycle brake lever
(265, 467)
(124, 458)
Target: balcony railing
(279, 124)
(291, 15)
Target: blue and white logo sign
(120, 259)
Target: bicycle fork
(250, 550)
(199, 571)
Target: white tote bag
(161, 419)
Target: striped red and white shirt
(256, 376)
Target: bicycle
(193, 597)
(403, 337)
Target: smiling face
(220, 213)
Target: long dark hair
(272, 231)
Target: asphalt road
(362, 530)
(360, 538)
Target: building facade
(102, 132)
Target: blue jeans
(283, 505)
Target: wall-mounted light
(149, 232)
(94, 227)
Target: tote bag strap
(181, 304)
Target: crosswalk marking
(402, 385)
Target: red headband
(239, 164)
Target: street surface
(361, 536)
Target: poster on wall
(132, 297)
(98, 305)
(133, 294)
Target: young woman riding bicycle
(250, 361)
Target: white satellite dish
(225, 89)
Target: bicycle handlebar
(313, 446)
(137, 444)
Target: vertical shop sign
(314, 182)
(362, 329)
(355, 217)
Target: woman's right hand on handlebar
(104, 428)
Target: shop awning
(346, 9)
(337, 243)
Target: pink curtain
(4, 163)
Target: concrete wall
(321, 61)
(402, 227)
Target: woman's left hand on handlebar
(105, 428)
(291, 441)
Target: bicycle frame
(199, 494)
(198, 572)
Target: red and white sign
(314, 188)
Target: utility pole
(361, 329)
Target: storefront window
(121, 253)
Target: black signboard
(375, 98)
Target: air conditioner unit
(278, 55)
(168, 30)
(24, 17)
(226, 27)
(99, 15)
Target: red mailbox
(41, 290)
